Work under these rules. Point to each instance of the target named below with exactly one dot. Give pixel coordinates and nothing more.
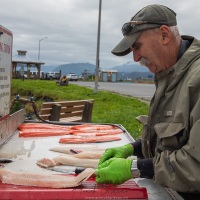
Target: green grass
(108, 107)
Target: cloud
(71, 27)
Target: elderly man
(168, 150)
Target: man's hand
(114, 171)
(117, 152)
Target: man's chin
(151, 68)
(141, 64)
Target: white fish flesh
(44, 180)
(68, 160)
(90, 154)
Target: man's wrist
(134, 170)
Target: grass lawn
(108, 107)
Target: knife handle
(5, 160)
(78, 170)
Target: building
(108, 75)
(22, 64)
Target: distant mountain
(127, 70)
(130, 67)
(77, 68)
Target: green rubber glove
(114, 171)
(117, 152)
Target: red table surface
(88, 190)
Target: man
(63, 80)
(169, 150)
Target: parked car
(72, 77)
(52, 75)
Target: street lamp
(39, 47)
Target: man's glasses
(127, 27)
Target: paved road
(138, 90)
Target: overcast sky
(71, 27)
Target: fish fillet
(93, 126)
(26, 126)
(44, 130)
(42, 133)
(68, 160)
(66, 150)
(96, 132)
(93, 139)
(74, 127)
(90, 154)
(44, 180)
(82, 147)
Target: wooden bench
(67, 111)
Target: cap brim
(123, 47)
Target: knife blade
(5, 160)
(78, 170)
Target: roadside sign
(6, 39)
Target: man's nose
(136, 55)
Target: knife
(5, 160)
(78, 170)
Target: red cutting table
(88, 190)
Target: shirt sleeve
(137, 145)
(145, 166)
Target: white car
(72, 77)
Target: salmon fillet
(44, 180)
(93, 139)
(44, 130)
(97, 132)
(42, 133)
(40, 126)
(75, 127)
(93, 126)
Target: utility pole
(97, 54)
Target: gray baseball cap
(149, 17)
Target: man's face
(147, 50)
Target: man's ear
(166, 34)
